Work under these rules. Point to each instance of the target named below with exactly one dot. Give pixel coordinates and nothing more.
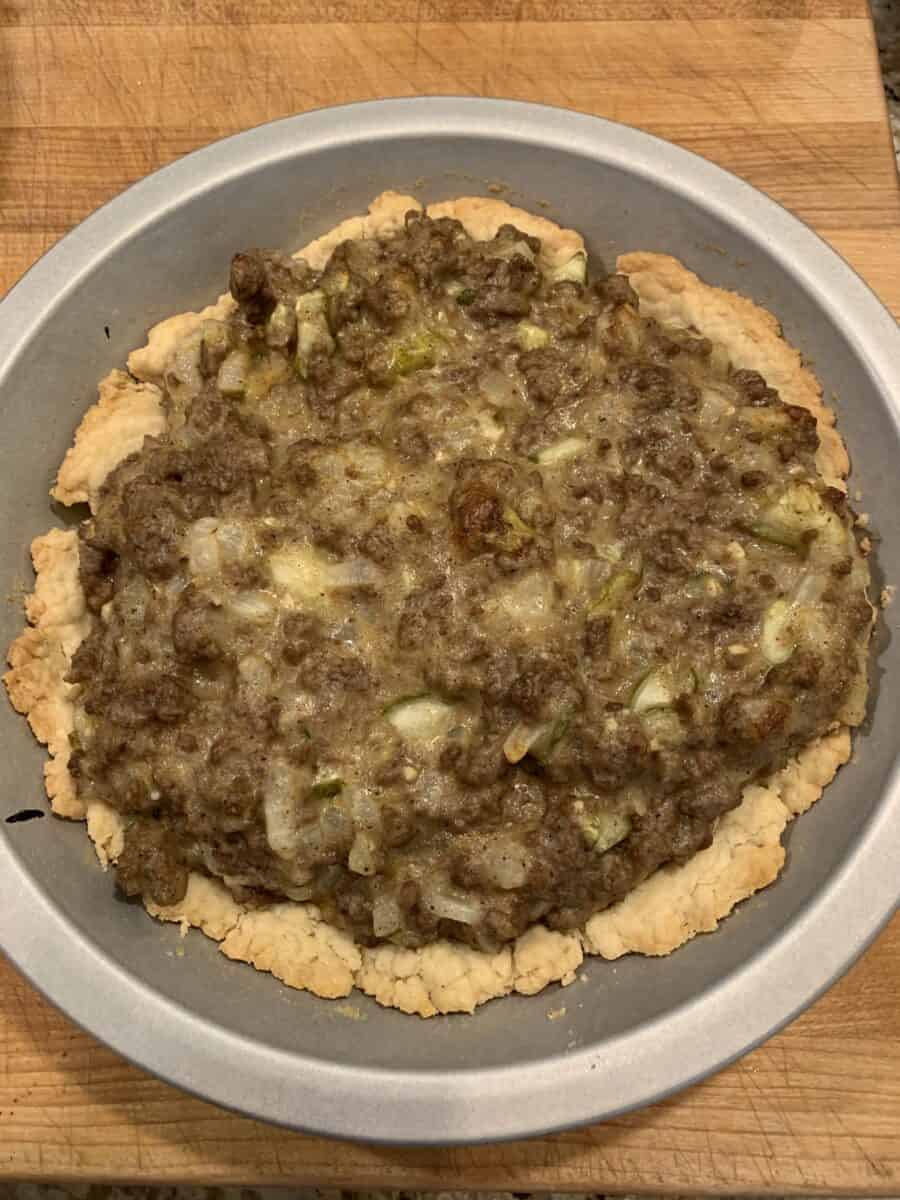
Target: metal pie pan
(632, 1031)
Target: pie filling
(457, 596)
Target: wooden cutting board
(95, 94)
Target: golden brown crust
(39, 660)
(127, 411)
(290, 940)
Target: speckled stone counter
(887, 29)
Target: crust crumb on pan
(291, 940)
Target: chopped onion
(386, 916)
(203, 547)
(777, 641)
(355, 572)
(654, 691)
(420, 718)
(810, 588)
(562, 451)
(531, 336)
(499, 388)
(361, 859)
(714, 405)
(521, 739)
(281, 324)
(184, 369)
(575, 270)
(453, 908)
(312, 329)
(505, 863)
(232, 377)
(528, 602)
(258, 607)
(234, 540)
(280, 805)
(309, 575)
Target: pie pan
(624, 1033)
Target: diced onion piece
(714, 405)
(311, 306)
(604, 830)
(500, 388)
(281, 324)
(353, 573)
(309, 576)
(663, 726)
(538, 740)
(214, 344)
(421, 718)
(184, 369)
(531, 336)
(386, 916)
(453, 908)
(280, 807)
(301, 571)
(809, 589)
(202, 547)
(505, 863)
(796, 515)
(362, 859)
(312, 329)
(777, 641)
(575, 270)
(232, 377)
(529, 603)
(258, 607)
(521, 739)
(654, 691)
(561, 451)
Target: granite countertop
(887, 30)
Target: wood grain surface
(96, 93)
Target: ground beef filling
(456, 597)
